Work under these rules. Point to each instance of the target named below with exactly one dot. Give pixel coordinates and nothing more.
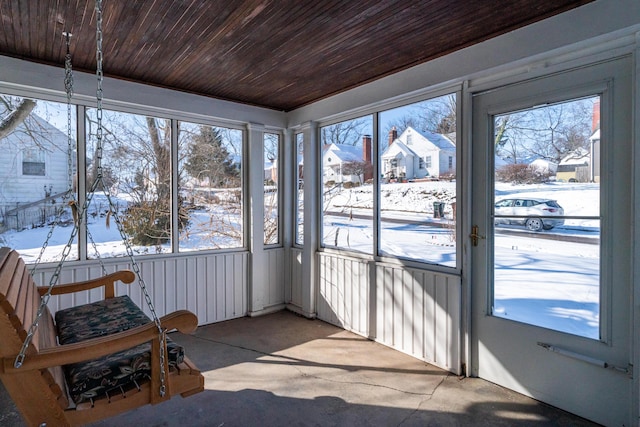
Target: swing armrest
(108, 281)
(182, 320)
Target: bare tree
(549, 132)
(438, 115)
(348, 132)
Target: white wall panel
(213, 286)
(343, 292)
(418, 313)
(415, 311)
(275, 274)
(296, 277)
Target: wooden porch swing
(39, 387)
(96, 360)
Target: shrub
(521, 173)
(149, 223)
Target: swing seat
(95, 360)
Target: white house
(544, 166)
(336, 157)
(419, 154)
(34, 168)
(575, 167)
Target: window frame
(42, 156)
(378, 138)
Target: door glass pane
(547, 217)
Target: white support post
(257, 279)
(288, 182)
(311, 215)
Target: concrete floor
(285, 370)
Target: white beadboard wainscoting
(411, 310)
(294, 291)
(343, 292)
(275, 277)
(213, 286)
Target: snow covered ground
(549, 283)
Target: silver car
(531, 212)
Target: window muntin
(210, 186)
(38, 167)
(271, 188)
(347, 185)
(418, 205)
(33, 161)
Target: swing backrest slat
(19, 302)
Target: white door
(551, 297)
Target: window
(38, 162)
(450, 162)
(210, 187)
(421, 163)
(136, 172)
(271, 180)
(347, 191)
(33, 161)
(299, 211)
(418, 215)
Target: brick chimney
(366, 148)
(366, 157)
(393, 135)
(595, 123)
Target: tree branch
(16, 117)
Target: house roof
(345, 153)
(420, 146)
(396, 148)
(55, 140)
(277, 54)
(577, 157)
(439, 140)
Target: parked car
(530, 212)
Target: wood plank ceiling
(279, 54)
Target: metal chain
(45, 298)
(81, 213)
(68, 85)
(68, 197)
(96, 252)
(98, 160)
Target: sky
(549, 283)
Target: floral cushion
(116, 372)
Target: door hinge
(475, 236)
